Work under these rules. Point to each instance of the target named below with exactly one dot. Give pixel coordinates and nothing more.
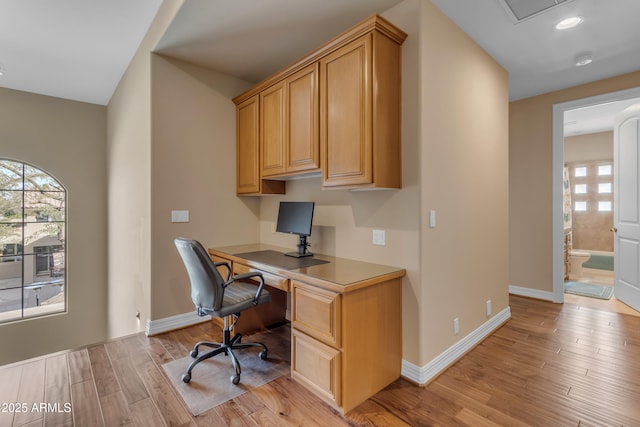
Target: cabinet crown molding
(373, 23)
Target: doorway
(620, 99)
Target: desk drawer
(273, 280)
(317, 312)
(317, 366)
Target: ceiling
(79, 49)
(72, 49)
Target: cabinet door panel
(272, 130)
(303, 148)
(346, 114)
(317, 366)
(247, 147)
(317, 312)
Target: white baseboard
(531, 293)
(167, 324)
(426, 373)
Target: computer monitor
(296, 218)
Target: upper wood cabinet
(289, 137)
(247, 147)
(360, 114)
(248, 179)
(336, 110)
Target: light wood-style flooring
(550, 365)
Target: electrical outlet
(488, 307)
(273, 228)
(456, 326)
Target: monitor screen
(295, 218)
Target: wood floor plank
(145, 413)
(86, 406)
(103, 374)
(9, 394)
(130, 382)
(79, 366)
(31, 392)
(167, 402)
(115, 410)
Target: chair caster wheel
(186, 378)
(194, 354)
(263, 355)
(235, 380)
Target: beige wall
(192, 168)
(67, 140)
(530, 174)
(464, 178)
(129, 172)
(592, 146)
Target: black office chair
(222, 298)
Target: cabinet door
(272, 122)
(247, 147)
(346, 114)
(302, 110)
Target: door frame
(557, 172)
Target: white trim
(531, 293)
(556, 180)
(426, 373)
(179, 321)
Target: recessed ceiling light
(569, 23)
(584, 59)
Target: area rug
(588, 289)
(210, 383)
(599, 262)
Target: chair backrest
(206, 282)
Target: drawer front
(273, 280)
(317, 312)
(316, 366)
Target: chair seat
(238, 297)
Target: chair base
(227, 346)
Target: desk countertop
(337, 274)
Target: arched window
(32, 242)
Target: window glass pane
(580, 206)
(581, 189)
(604, 187)
(43, 298)
(580, 171)
(10, 206)
(604, 169)
(42, 234)
(35, 179)
(604, 206)
(10, 303)
(43, 206)
(10, 175)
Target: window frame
(37, 193)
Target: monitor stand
(302, 249)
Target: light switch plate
(379, 237)
(179, 216)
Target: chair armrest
(225, 264)
(250, 275)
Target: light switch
(432, 218)
(379, 237)
(179, 216)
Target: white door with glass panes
(626, 217)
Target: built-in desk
(346, 319)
